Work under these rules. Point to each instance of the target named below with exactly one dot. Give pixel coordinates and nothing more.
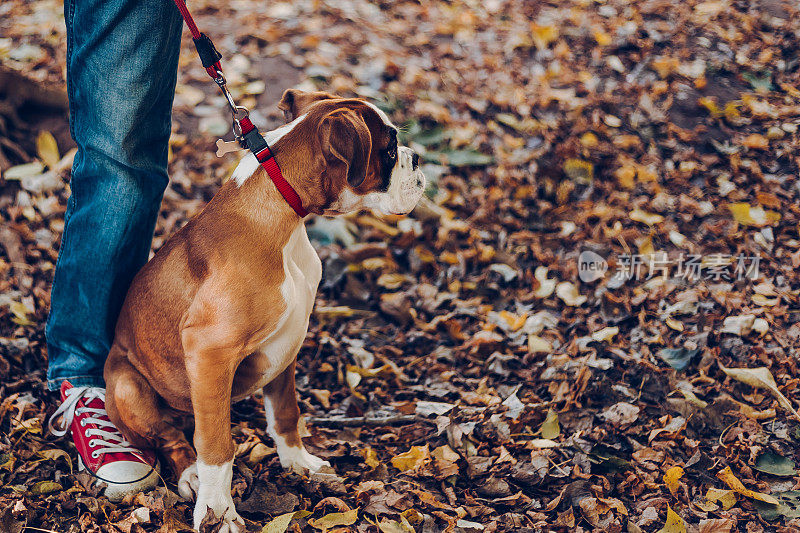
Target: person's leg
(122, 58)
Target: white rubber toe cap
(126, 477)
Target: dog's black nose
(414, 161)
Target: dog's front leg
(211, 373)
(283, 415)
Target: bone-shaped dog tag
(224, 147)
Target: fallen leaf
(47, 149)
(412, 459)
(568, 292)
(579, 170)
(334, 519)
(672, 478)
(621, 414)
(41, 488)
(775, 464)
(605, 334)
(748, 215)
(716, 525)
(674, 523)
(371, 457)
(788, 506)
(756, 141)
(55, 454)
(550, 428)
(393, 526)
(677, 358)
(546, 286)
(28, 170)
(280, 523)
(761, 378)
(650, 219)
(727, 476)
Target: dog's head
(355, 158)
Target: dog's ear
(346, 146)
(294, 101)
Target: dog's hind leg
(133, 405)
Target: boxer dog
(223, 307)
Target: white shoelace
(108, 440)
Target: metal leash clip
(238, 112)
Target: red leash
(244, 130)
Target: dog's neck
(256, 203)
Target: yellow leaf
(646, 247)
(47, 149)
(392, 526)
(602, 38)
(672, 477)
(334, 312)
(20, 313)
(280, 523)
(7, 462)
(731, 111)
(605, 334)
(665, 65)
(412, 459)
(761, 378)
(727, 476)
(543, 35)
(589, 139)
(626, 176)
(514, 322)
(794, 91)
(763, 301)
(674, 324)
(579, 170)
(392, 281)
(756, 141)
(46, 487)
(569, 294)
(725, 497)
(537, 344)
(335, 519)
(756, 216)
(550, 427)
(650, 219)
(674, 523)
(54, 454)
(711, 105)
(371, 457)
(546, 286)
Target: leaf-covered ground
(459, 374)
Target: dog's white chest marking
(302, 269)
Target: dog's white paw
(221, 506)
(214, 493)
(299, 460)
(189, 483)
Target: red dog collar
(256, 144)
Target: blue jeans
(122, 61)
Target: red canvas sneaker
(102, 450)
